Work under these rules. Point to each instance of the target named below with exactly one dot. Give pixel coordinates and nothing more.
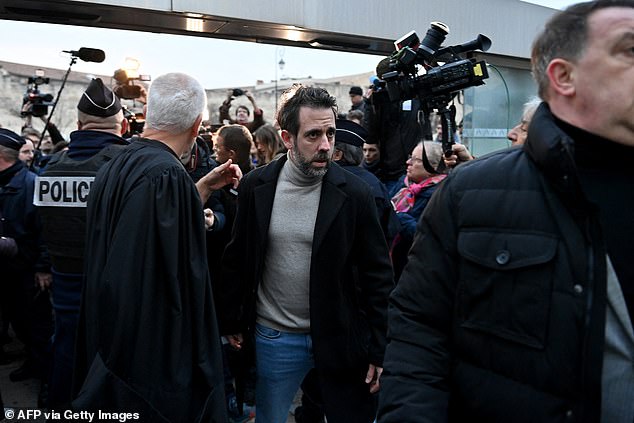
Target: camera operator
(242, 112)
(394, 128)
(100, 124)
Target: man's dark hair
(565, 36)
(245, 108)
(298, 96)
(237, 138)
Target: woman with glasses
(411, 195)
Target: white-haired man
(148, 341)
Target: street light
(279, 52)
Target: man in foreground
(307, 271)
(517, 302)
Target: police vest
(61, 194)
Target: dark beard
(305, 165)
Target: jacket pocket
(506, 283)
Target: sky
(554, 4)
(215, 63)
(204, 58)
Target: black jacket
(19, 220)
(351, 276)
(396, 131)
(499, 315)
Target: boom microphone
(88, 54)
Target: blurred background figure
(234, 142)
(356, 98)
(517, 135)
(27, 152)
(372, 159)
(269, 144)
(243, 113)
(356, 116)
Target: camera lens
(435, 36)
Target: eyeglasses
(414, 159)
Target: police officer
(23, 261)
(62, 194)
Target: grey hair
(529, 109)
(175, 101)
(352, 156)
(9, 154)
(433, 150)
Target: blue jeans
(282, 361)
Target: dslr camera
(446, 72)
(34, 102)
(237, 92)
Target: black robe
(148, 341)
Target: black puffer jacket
(499, 315)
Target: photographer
(242, 112)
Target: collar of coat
(552, 150)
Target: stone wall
(13, 85)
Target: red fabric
(404, 199)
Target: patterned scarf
(404, 200)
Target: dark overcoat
(350, 272)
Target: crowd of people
(205, 273)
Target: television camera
(125, 88)
(446, 73)
(34, 102)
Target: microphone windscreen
(91, 55)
